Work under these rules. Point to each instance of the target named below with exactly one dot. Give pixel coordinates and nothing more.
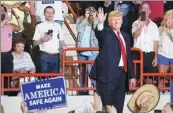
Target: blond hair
(168, 13)
(114, 14)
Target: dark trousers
(113, 93)
(6, 67)
(147, 63)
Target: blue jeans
(83, 71)
(50, 64)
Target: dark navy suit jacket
(106, 65)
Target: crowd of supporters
(150, 25)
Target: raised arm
(136, 30)
(100, 26)
(18, 27)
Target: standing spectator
(165, 57)
(49, 36)
(129, 10)
(6, 41)
(37, 15)
(86, 38)
(146, 36)
(39, 6)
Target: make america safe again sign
(44, 94)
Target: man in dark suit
(113, 62)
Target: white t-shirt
(166, 44)
(148, 35)
(51, 46)
(41, 5)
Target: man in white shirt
(49, 36)
(146, 36)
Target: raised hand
(111, 109)
(97, 103)
(167, 108)
(101, 16)
(24, 107)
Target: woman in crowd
(165, 57)
(86, 38)
(22, 60)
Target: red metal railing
(70, 69)
(71, 10)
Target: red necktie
(123, 51)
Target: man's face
(3, 13)
(19, 48)
(49, 14)
(115, 22)
(146, 8)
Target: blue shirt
(85, 40)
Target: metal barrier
(77, 64)
(72, 71)
(161, 80)
(12, 81)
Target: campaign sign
(44, 94)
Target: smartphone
(157, 111)
(143, 16)
(50, 31)
(23, 3)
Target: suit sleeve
(98, 31)
(130, 61)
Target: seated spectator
(22, 61)
(86, 39)
(165, 54)
(145, 99)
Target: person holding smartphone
(146, 36)
(49, 36)
(86, 38)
